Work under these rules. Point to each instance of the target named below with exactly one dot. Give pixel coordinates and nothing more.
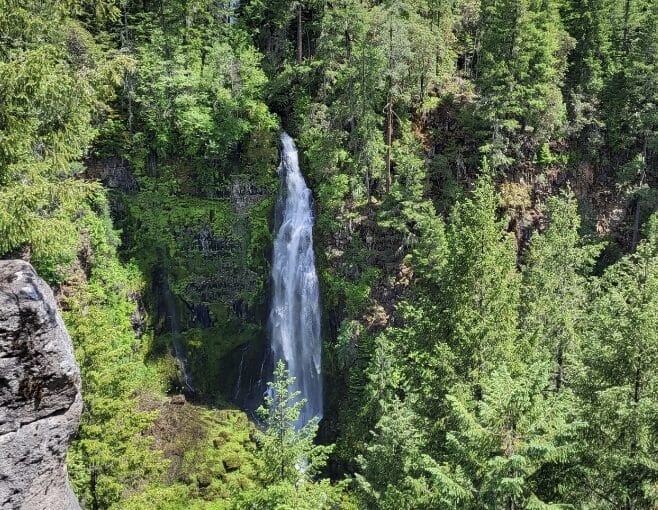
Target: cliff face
(40, 400)
(205, 252)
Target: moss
(212, 356)
(211, 453)
(211, 255)
(187, 230)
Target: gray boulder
(40, 401)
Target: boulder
(40, 400)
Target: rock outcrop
(114, 173)
(40, 401)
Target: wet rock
(208, 244)
(244, 194)
(114, 173)
(40, 401)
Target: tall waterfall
(294, 320)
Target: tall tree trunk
(389, 108)
(389, 141)
(299, 33)
(627, 13)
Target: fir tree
(521, 66)
(481, 286)
(554, 288)
(288, 453)
(618, 386)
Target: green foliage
(503, 439)
(111, 455)
(288, 452)
(199, 99)
(290, 459)
(617, 387)
(397, 473)
(481, 303)
(410, 212)
(288, 496)
(51, 92)
(521, 66)
(492, 373)
(555, 291)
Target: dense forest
(485, 186)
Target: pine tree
(396, 472)
(619, 383)
(554, 288)
(514, 431)
(289, 458)
(288, 453)
(480, 285)
(521, 66)
(409, 211)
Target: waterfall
(233, 7)
(179, 351)
(294, 320)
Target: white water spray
(294, 320)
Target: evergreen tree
(288, 453)
(290, 459)
(521, 66)
(396, 471)
(618, 386)
(504, 439)
(589, 63)
(481, 286)
(554, 288)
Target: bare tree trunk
(389, 109)
(299, 33)
(389, 141)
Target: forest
(484, 181)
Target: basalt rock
(40, 401)
(114, 173)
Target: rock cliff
(40, 401)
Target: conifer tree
(619, 383)
(289, 458)
(502, 440)
(396, 472)
(288, 453)
(481, 285)
(554, 288)
(521, 66)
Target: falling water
(179, 351)
(295, 314)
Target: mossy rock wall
(207, 256)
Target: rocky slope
(40, 400)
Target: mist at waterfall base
(294, 321)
